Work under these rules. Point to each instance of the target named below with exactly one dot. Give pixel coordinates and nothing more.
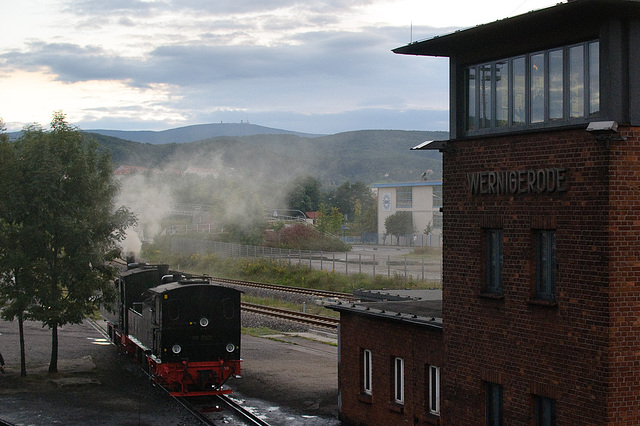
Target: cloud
(204, 58)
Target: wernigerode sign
(532, 181)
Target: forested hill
(369, 156)
(196, 132)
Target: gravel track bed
(253, 320)
(274, 294)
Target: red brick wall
(624, 279)
(558, 351)
(419, 346)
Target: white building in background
(422, 199)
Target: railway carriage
(186, 330)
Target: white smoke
(149, 198)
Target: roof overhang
(576, 20)
(388, 315)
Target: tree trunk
(23, 361)
(53, 365)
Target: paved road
(291, 380)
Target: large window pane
(485, 95)
(547, 87)
(537, 71)
(471, 98)
(576, 81)
(502, 93)
(518, 91)
(556, 103)
(594, 78)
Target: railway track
(240, 415)
(310, 319)
(247, 416)
(208, 410)
(296, 290)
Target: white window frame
(367, 370)
(434, 387)
(398, 373)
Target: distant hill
(196, 132)
(369, 156)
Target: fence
(415, 240)
(370, 260)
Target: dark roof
(163, 288)
(137, 268)
(563, 24)
(422, 312)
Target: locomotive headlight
(204, 322)
(176, 349)
(230, 347)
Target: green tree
(351, 199)
(15, 293)
(65, 225)
(367, 221)
(329, 220)
(399, 223)
(304, 195)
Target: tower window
(548, 88)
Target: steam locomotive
(183, 329)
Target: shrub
(303, 237)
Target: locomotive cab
(194, 321)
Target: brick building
(541, 211)
(390, 358)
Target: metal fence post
(374, 266)
(405, 268)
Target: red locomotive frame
(181, 378)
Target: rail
(246, 415)
(309, 319)
(298, 290)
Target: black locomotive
(185, 329)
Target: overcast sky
(322, 66)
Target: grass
(259, 331)
(264, 270)
(296, 275)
